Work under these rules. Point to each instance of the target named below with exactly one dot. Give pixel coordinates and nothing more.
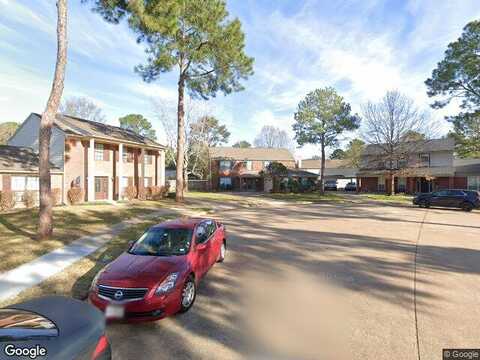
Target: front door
(101, 187)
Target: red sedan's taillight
(101, 347)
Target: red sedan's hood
(139, 270)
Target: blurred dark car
(351, 186)
(330, 185)
(54, 328)
(466, 200)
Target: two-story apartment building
(99, 158)
(239, 169)
(425, 166)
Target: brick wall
(75, 166)
(460, 182)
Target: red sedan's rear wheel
(189, 292)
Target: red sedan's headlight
(167, 284)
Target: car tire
(424, 204)
(187, 298)
(466, 206)
(223, 252)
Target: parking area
(358, 280)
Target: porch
(110, 167)
(411, 184)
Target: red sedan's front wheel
(223, 251)
(189, 292)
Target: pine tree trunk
(185, 180)
(45, 223)
(322, 168)
(180, 140)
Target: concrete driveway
(328, 281)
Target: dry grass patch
(18, 228)
(75, 280)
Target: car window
(441, 193)
(205, 230)
(455, 193)
(201, 233)
(210, 227)
(163, 242)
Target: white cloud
(14, 10)
(154, 91)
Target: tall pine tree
(195, 38)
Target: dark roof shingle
(329, 164)
(264, 154)
(16, 158)
(447, 144)
(81, 127)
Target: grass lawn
(312, 197)
(75, 280)
(388, 198)
(18, 228)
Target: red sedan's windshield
(163, 242)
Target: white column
(91, 171)
(142, 168)
(161, 168)
(120, 170)
(111, 184)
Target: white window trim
(33, 183)
(145, 159)
(98, 154)
(145, 181)
(477, 182)
(225, 167)
(18, 183)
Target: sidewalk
(14, 281)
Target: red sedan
(159, 274)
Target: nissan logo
(118, 295)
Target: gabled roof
(329, 164)
(241, 154)
(19, 159)
(86, 128)
(301, 173)
(422, 146)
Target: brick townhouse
(429, 167)
(239, 169)
(101, 159)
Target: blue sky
(360, 47)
